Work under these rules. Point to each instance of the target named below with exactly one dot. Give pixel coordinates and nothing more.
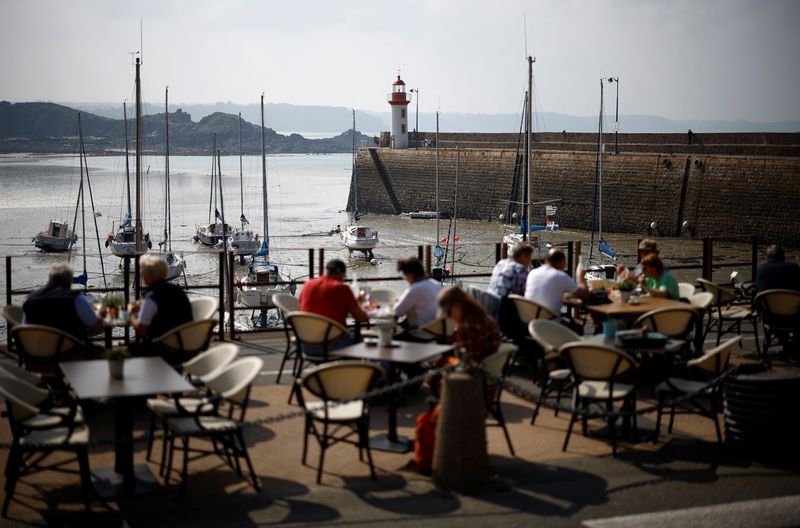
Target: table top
(623, 309)
(145, 376)
(670, 347)
(399, 352)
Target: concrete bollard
(460, 460)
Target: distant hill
(49, 127)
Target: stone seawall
(723, 196)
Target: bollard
(460, 460)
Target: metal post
(577, 252)
(126, 285)
(231, 308)
(8, 279)
(570, 257)
(137, 282)
(428, 260)
(321, 260)
(708, 250)
(221, 286)
(420, 251)
(498, 252)
(310, 263)
(754, 257)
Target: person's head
(153, 269)
(458, 305)
(411, 268)
(557, 259)
(522, 253)
(652, 266)
(60, 275)
(336, 269)
(775, 254)
(647, 246)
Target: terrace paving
(540, 486)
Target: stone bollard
(460, 460)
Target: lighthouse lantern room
(399, 100)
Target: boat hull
(50, 244)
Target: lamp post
(616, 116)
(416, 119)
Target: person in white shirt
(547, 284)
(418, 302)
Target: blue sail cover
(126, 221)
(216, 214)
(359, 215)
(82, 279)
(262, 252)
(243, 219)
(606, 250)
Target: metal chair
(527, 311)
(500, 364)
(686, 290)
(599, 372)
(232, 387)
(204, 307)
(286, 304)
(551, 336)
(325, 418)
(42, 348)
(779, 311)
(442, 330)
(712, 364)
(184, 342)
(722, 310)
(35, 430)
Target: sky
(682, 59)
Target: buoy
(374, 262)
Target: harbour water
(306, 195)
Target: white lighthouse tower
(399, 101)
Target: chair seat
(346, 412)
(559, 374)
(732, 314)
(188, 426)
(42, 421)
(164, 407)
(680, 385)
(599, 390)
(56, 437)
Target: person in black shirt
(165, 306)
(776, 273)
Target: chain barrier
(374, 394)
(533, 397)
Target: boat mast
(529, 112)
(138, 158)
(241, 177)
(355, 182)
(437, 177)
(167, 208)
(127, 165)
(600, 170)
(264, 180)
(213, 180)
(455, 213)
(85, 166)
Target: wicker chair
(722, 311)
(442, 330)
(499, 363)
(42, 348)
(184, 342)
(779, 311)
(204, 308)
(551, 336)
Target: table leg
(391, 441)
(107, 332)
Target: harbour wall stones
(717, 195)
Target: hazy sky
(682, 59)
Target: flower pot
(116, 368)
(624, 296)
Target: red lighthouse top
(398, 95)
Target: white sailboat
(123, 242)
(354, 236)
(214, 233)
(243, 241)
(263, 277)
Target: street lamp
(416, 124)
(616, 116)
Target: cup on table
(609, 328)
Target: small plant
(114, 301)
(626, 285)
(118, 353)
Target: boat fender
(374, 262)
(239, 283)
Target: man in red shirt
(329, 296)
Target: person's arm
(142, 318)
(579, 290)
(359, 314)
(660, 292)
(405, 303)
(354, 306)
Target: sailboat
(263, 277)
(597, 267)
(358, 237)
(123, 242)
(175, 264)
(242, 241)
(215, 232)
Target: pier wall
(722, 196)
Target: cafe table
(143, 377)
(617, 309)
(396, 353)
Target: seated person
(418, 302)
(647, 246)
(165, 306)
(547, 284)
(477, 334)
(656, 280)
(509, 274)
(776, 273)
(59, 306)
(329, 296)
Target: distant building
(399, 102)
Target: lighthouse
(399, 101)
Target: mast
(222, 204)
(600, 170)
(355, 182)
(138, 158)
(529, 112)
(212, 214)
(264, 180)
(167, 208)
(437, 176)
(85, 165)
(241, 177)
(127, 165)
(455, 213)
